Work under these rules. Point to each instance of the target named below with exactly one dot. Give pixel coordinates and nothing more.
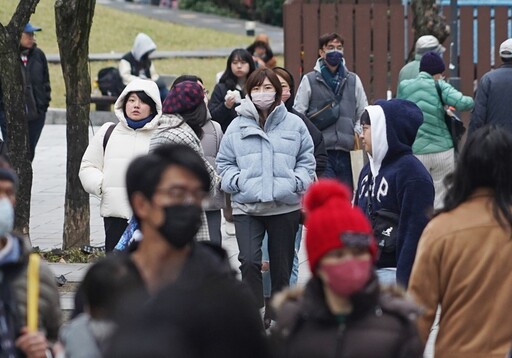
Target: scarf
(333, 80)
(139, 124)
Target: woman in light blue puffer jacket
(266, 163)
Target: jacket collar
(315, 307)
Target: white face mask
(6, 217)
(263, 100)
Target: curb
(97, 118)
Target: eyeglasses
(183, 195)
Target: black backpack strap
(107, 136)
(439, 92)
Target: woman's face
(266, 86)
(240, 67)
(286, 89)
(135, 109)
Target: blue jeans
(339, 166)
(387, 276)
(267, 286)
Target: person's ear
(141, 205)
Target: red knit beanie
(184, 97)
(333, 223)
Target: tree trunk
(428, 21)
(11, 81)
(73, 21)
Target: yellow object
(33, 291)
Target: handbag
(384, 224)
(326, 116)
(356, 161)
(454, 124)
(385, 229)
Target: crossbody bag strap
(439, 92)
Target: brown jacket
(464, 265)
(380, 325)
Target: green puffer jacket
(433, 135)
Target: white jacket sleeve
(152, 70)
(125, 70)
(361, 103)
(303, 96)
(91, 167)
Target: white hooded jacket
(103, 174)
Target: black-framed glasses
(183, 195)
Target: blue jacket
(401, 184)
(266, 170)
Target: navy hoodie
(401, 183)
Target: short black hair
(144, 97)
(326, 38)
(365, 119)
(145, 172)
(108, 283)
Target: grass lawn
(115, 30)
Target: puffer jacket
(210, 142)
(16, 273)
(266, 169)
(433, 135)
(103, 174)
(410, 70)
(380, 325)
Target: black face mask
(182, 222)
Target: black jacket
(380, 325)
(220, 113)
(36, 72)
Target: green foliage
(207, 7)
(269, 11)
(266, 11)
(68, 256)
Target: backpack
(110, 82)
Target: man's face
(177, 186)
(8, 190)
(366, 137)
(27, 39)
(331, 45)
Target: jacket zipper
(339, 337)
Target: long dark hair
(228, 77)
(485, 162)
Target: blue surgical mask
(6, 217)
(333, 57)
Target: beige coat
(464, 265)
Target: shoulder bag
(454, 124)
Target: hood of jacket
(151, 89)
(142, 45)
(248, 110)
(394, 125)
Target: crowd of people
(422, 232)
